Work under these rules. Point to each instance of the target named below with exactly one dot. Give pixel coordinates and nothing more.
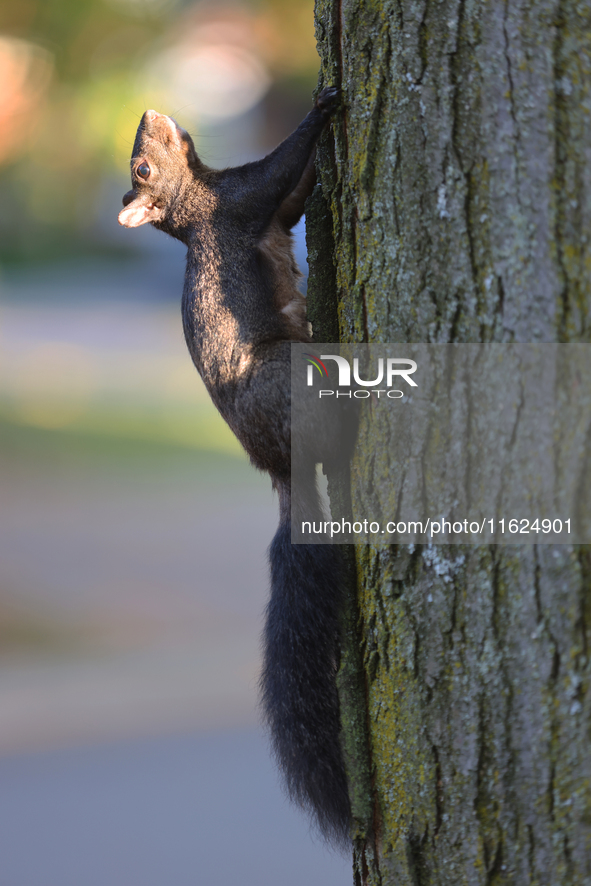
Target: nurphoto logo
(388, 371)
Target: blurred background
(133, 533)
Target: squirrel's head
(162, 160)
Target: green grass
(74, 449)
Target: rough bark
(456, 187)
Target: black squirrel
(241, 309)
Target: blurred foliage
(74, 79)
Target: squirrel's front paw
(328, 99)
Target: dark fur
(298, 679)
(241, 309)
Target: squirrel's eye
(143, 170)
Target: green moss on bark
(457, 187)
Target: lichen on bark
(456, 184)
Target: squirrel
(241, 309)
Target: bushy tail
(299, 693)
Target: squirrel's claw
(328, 99)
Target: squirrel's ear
(189, 149)
(183, 141)
(139, 211)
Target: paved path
(182, 811)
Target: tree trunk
(455, 197)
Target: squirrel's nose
(151, 115)
(127, 198)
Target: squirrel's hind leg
(292, 208)
(276, 248)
